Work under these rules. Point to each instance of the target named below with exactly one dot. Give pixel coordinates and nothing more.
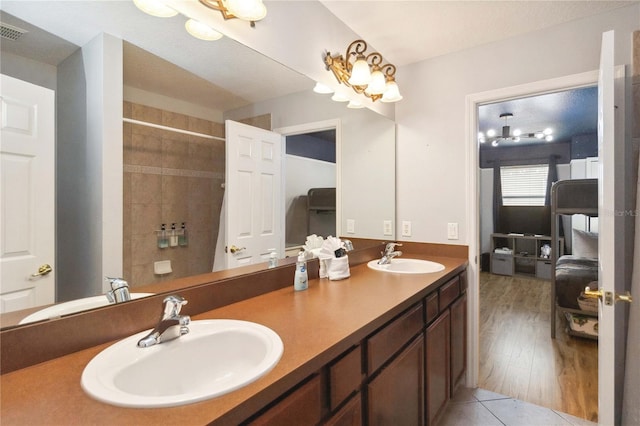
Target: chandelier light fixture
(517, 135)
(248, 10)
(366, 74)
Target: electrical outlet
(387, 227)
(351, 226)
(452, 231)
(406, 228)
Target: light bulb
(155, 8)
(360, 73)
(491, 133)
(201, 31)
(338, 96)
(392, 92)
(548, 138)
(378, 83)
(322, 89)
(249, 10)
(539, 135)
(355, 105)
(494, 143)
(547, 131)
(517, 132)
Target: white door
(253, 188)
(27, 219)
(611, 337)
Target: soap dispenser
(301, 279)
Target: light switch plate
(406, 228)
(387, 228)
(351, 226)
(452, 231)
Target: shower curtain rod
(171, 129)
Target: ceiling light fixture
(247, 10)
(155, 8)
(365, 73)
(516, 136)
(322, 89)
(201, 31)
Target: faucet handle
(172, 305)
(391, 247)
(116, 283)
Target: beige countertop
(315, 326)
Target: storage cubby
(519, 254)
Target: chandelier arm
(374, 59)
(389, 71)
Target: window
(524, 185)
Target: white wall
(366, 162)
(89, 168)
(431, 118)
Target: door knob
(42, 271)
(607, 296)
(233, 249)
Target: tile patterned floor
(478, 407)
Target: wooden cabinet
(519, 254)
(458, 341)
(396, 395)
(349, 415)
(437, 365)
(303, 406)
(402, 374)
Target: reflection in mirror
(173, 149)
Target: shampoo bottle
(173, 237)
(301, 280)
(183, 239)
(163, 240)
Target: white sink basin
(214, 358)
(407, 266)
(73, 306)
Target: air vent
(10, 32)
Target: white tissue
(336, 268)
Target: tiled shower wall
(170, 177)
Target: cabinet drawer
(386, 342)
(345, 377)
(449, 292)
(302, 406)
(431, 303)
(543, 269)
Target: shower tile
(144, 250)
(175, 120)
(175, 190)
(142, 275)
(175, 151)
(217, 129)
(145, 219)
(175, 213)
(127, 109)
(200, 154)
(200, 216)
(146, 188)
(199, 125)
(145, 150)
(146, 113)
(200, 191)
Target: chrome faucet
(171, 325)
(389, 253)
(119, 290)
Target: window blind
(524, 185)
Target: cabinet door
(302, 407)
(458, 340)
(396, 395)
(349, 415)
(438, 372)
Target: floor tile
(485, 395)
(513, 412)
(466, 414)
(576, 421)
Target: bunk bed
(570, 274)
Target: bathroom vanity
(377, 348)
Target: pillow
(585, 244)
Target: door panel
(611, 274)
(254, 194)
(26, 195)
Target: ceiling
(404, 32)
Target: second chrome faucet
(171, 325)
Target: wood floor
(519, 359)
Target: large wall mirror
(176, 92)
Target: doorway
(473, 103)
(311, 181)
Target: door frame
(472, 101)
(315, 126)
